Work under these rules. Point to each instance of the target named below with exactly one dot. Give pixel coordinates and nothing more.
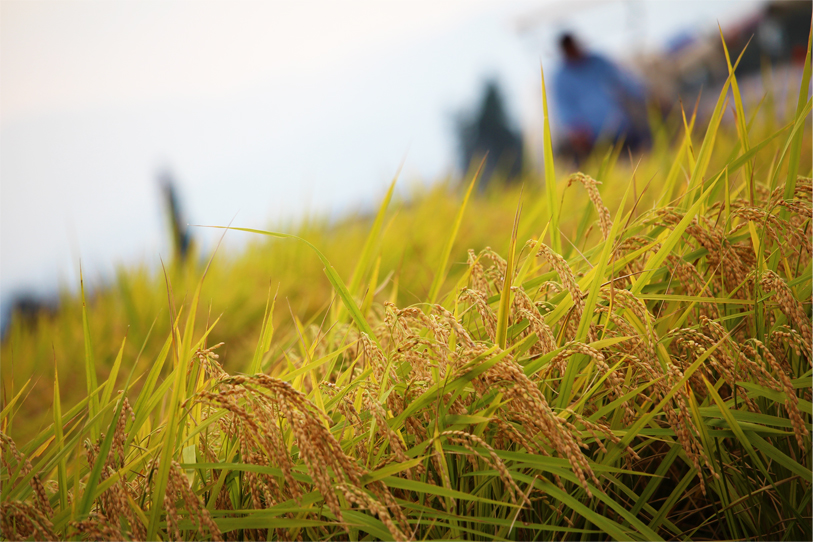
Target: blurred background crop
(267, 112)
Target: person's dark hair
(567, 41)
(570, 46)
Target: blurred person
(595, 99)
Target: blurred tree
(488, 131)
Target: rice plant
(639, 369)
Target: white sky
(69, 54)
(263, 108)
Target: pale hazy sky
(261, 108)
(68, 54)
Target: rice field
(631, 361)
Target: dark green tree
(488, 132)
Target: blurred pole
(181, 239)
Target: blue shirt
(591, 93)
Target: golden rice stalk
(41, 498)
(356, 496)
(376, 359)
(524, 307)
(791, 401)
(477, 275)
(396, 445)
(493, 460)
(97, 527)
(569, 280)
(461, 333)
(21, 521)
(209, 361)
(178, 486)
(597, 428)
(591, 185)
(318, 448)
(480, 302)
(790, 307)
(793, 339)
(526, 399)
